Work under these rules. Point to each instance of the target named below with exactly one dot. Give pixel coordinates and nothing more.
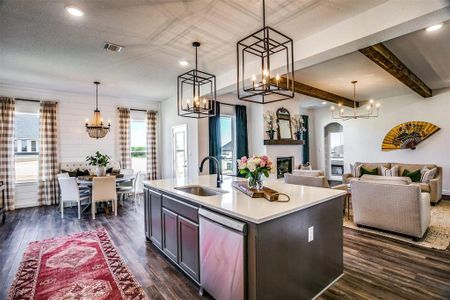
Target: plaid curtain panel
(124, 138)
(48, 154)
(7, 174)
(152, 165)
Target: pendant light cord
(96, 96)
(264, 13)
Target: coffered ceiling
(42, 46)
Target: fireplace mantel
(283, 142)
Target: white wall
(170, 118)
(74, 143)
(363, 138)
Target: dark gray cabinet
(171, 224)
(153, 216)
(188, 247)
(170, 234)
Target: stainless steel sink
(199, 190)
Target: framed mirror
(284, 124)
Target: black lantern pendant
(256, 55)
(196, 92)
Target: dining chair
(104, 190)
(71, 193)
(127, 187)
(138, 188)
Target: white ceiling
(425, 53)
(42, 46)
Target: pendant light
(256, 56)
(372, 109)
(196, 92)
(96, 129)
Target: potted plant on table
(254, 168)
(99, 160)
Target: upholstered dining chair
(104, 190)
(125, 188)
(71, 193)
(138, 188)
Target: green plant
(98, 159)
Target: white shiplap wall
(74, 144)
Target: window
(227, 144)
(138, 133)
(26, 146)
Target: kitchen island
(288, 250)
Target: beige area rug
(437, 237)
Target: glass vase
(256, 181)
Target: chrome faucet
(219, 171)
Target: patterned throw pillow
(427, 174)
(355, 170)
(369, 171)
(71, 173)
(389, 172)
(414, 175)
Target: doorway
(179, 151)
(334, 151)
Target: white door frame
(178, 128)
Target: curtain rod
(32, 100)
(29, 100)
(135, 109)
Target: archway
(334, 151)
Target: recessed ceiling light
(183, 63)
(74, 11)
(434, 27)
(324, 103)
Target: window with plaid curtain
(152, 165)
(124, 138)
(48, 154)
(7, 175)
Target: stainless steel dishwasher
(222, 254)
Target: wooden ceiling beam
(387, 60)
(311, 91)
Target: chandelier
(96, 129)
(196, 92)
(372, 109)
(256, 55)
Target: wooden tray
(266, 192)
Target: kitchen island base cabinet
(176, 223)
(153, 217)
(283, 264)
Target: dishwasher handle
(235, 225)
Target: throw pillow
(355, 170)
(389, 172)
(414, 175)
(82, 172)
(368, 171)
(71, 173)
(306, 167)
(427, 174)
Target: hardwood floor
(375, 267)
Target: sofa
(82, 168)
(393, 206)
(433, 187)
(314, 178)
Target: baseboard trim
(328, 286)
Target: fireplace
(284, 165)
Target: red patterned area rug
(85, 265)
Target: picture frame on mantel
(284, 124)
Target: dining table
(87, 180)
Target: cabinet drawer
(183, 209)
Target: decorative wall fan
(408, 135)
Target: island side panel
(282, 264)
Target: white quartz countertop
(237, 204)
